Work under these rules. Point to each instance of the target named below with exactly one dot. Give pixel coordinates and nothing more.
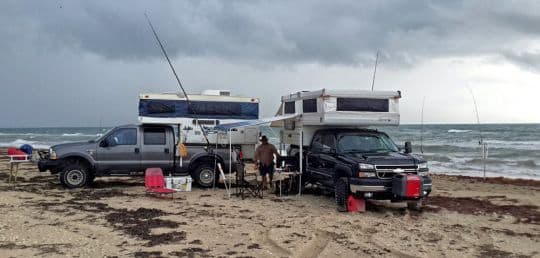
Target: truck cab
(365, 163)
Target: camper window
(362, 104)
(163, 107)
(309, 105)
(289, 107)
(154, 136)
(215, 108)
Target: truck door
(321, 158)
(119, 152)
(157, 144)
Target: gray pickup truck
(130, 150)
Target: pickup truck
(365, 163)
(129, 150)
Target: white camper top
(343, 107)
(341, 93)
(198, 97)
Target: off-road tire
(205, 175)
(341, 193)
(416, 205)
(74, 175)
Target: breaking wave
(458, 131)
(17, 143)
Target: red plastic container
(407, 186)
(355, 205)
(413, 186)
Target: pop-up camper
(206, 110)
(337, 108)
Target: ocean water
(514, 149)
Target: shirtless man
(264, 155)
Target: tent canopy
(229, 126)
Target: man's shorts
(266, 169)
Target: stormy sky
(83, 63)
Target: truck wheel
(204, 175)
(416, 205)
(341, 193)
(74, 176)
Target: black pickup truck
(129, 150)
(367, 164)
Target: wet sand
(465, 217)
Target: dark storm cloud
(68, 63)
(281, 32)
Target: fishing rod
(481, 142)
(422, 126)
(177, 78)
(375, 70)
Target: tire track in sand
(316, 246)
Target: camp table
(14, 161)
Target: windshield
(366, 143)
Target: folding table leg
(16, 171)
(11, 167)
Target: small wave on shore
(17, 143)
(458, 131)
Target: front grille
(389, 171)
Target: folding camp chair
(247, 187)
(155, 182)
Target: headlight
(363, 166)
(52, 154)
(423, 165)
(367, 174)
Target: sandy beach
(464, 217)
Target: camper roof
(197, 97)
(349, 93)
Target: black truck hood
(390, 158)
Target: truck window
(123, 136)
(323, 143)
(154, 136)
(366, 143)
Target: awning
(227, 127)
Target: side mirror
(408, 147)
(104, 143)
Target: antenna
(176, 76)
(422, 127)
(481, 142)
(375, 70)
